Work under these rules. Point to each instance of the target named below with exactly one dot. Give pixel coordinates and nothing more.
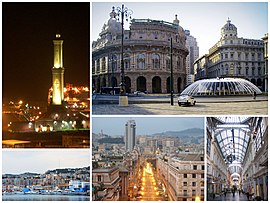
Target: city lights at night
(49, 93)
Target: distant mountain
(54, 171)
(183, 133)
(26, 174)
(67, 170)
(111, 140)
(192, 135)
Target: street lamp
(125, 14)
(171, 81)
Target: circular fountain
(221, 87)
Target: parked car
(185, 99)
(139, 93)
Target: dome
(221, 87)
(112, 26)
(229, 30)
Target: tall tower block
(58, 72)
(130, 138)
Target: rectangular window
(99, 178)
(184, 183)
(246, 56)
(202, 192)
(253, 71)
(259, 56)
(202, 175)
(193, 175)
(194, 167)
(226, 56)
(185, 193)
(193, 192)
(193, 184)
(185, 175)
(202, 167)
(253, 57)
(208, 149)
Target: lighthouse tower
(58, 72)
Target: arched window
(156, 61)
(168, 62)
(126, 62)
(98, 65)
(178, 63)
(141, 61)
(103, 64)
(227, 69)
(93, 67)
(114, 63)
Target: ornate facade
(146, 56)
(237, 57)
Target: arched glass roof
(232, 135)
(221, 87)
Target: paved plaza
(231, 197)
(201, 108)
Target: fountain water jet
(221, 87)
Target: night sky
(28, 31)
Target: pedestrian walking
(254, 95)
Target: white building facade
(183, 176)
(234, 56)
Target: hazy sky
(145, 125)
(38, 161)
(204, 20)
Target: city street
(201, 108)
(149, 190)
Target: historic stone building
(232, 56)
(146, 56)
(183, 176)
(265, 40)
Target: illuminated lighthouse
(58, 72)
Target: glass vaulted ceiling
(232, 135)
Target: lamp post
(171, 82)
(125, 13)
(112, 78)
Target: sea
(33, 197)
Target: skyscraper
(192, 46)
(130, 135)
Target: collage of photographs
(134, 101)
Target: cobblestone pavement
(232, 108)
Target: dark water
(45, 198)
